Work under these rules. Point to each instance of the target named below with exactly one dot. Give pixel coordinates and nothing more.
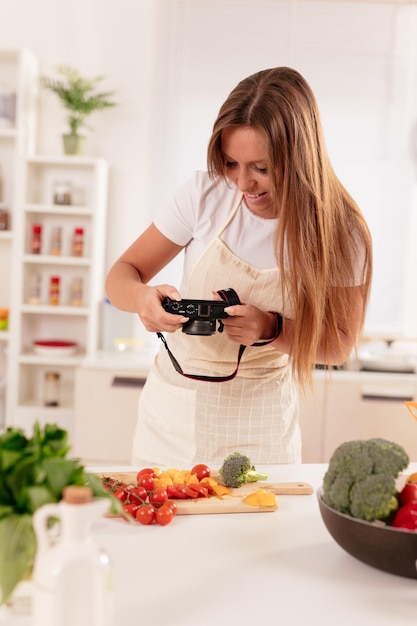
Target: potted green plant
(33, 471)
(80, 98)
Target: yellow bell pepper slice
(163, 482)
(261, 498)
(221, 490)
(192, 478)
(209, 480)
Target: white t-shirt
(197, 213)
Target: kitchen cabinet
(106, 410)
(18, 102)
(71, 317)
(357, 405)
(361, 405)
(313, 404)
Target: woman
(271, 220)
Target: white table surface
(249, 568)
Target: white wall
(172, 62)
(360, 59)
(98, 37)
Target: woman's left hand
(247, 324)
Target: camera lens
(199, 327)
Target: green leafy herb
(33, 472)
(78, 95)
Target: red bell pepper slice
(174, 492)
(198, 491)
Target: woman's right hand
(151, 312)
(127, 282)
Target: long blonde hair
(321, 230)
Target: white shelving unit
(44, 321)
(19, 87)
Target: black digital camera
(203, 314)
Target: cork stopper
(74, 494)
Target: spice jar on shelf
(51, 389)
(78, 242)
(56, 241)
(62, 192)
(36, 241)
(54, 290)
(77, 292)
(35, 290)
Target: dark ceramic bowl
(383, 547)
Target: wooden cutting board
(230, 503)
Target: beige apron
(183, 421)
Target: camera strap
(211, 379)
(230, 296)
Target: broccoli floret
(373, 497)
(336, 492)
(237, 470)
(353, 458)
(387, 457)
(360, 479)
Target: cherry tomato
(145, 514)
(158, 496)
(164, 515)
(201, 471)
(172, 505)
(121, 494)
(138, 495)
(146, 481)
(145, 470)
(408, 493)
(108, 483)
(131, 508)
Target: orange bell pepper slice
(412, 407)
